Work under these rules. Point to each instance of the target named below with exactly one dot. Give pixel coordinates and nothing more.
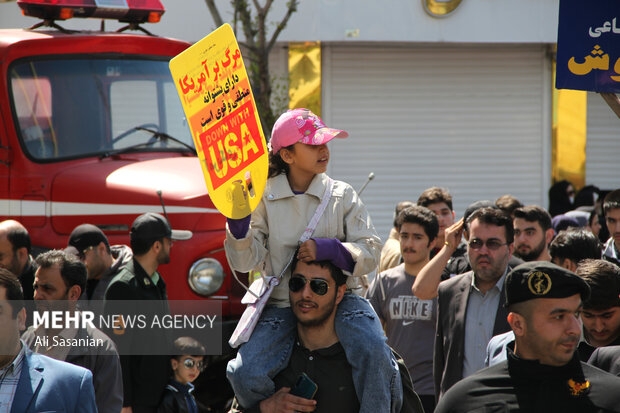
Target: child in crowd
(267, 239)
(186, 367)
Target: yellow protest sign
(217, 98)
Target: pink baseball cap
(303, 126)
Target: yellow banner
(219, 105)
(304, 72)
(569, 136)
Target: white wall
(487, 21)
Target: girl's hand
(307, 251)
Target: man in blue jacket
(31, 382)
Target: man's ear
(174, 363)
(74, 293)
(21, 319)
(22, 256)
(549, 235)
(569, 264)
(157, 246)
(517, 324)
(433, 243)
(340, 293)
(511, 247)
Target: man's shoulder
(394, 273)
(125, 277)
(455, 282)
(478, 389)
(603, 387)
(611, 353)
(594, 373)
(53, 368)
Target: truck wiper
(157, 136)
(165, 137)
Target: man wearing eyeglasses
(471, 305)
(103, 262)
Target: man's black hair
(603, 277)
(576, 244)
(534, 213)
(339, 277)
(72, 270)
(508, 203)
(19, 238)
(611, 201)
(422, 216)
(399, 208)
(494, 216)
(14, 293)
(435, 195)
(141, 246)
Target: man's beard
(533, 254)
(321, 318)
(163, 257)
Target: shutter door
(603, 144)
(472, 119)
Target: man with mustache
(471, 305)
(542, 372)
(409, 322)
(533, 233)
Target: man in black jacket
(543, 372)
(144, 375)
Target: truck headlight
(206, 276)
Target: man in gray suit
(471, 305)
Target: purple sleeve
(332, 249)
(239, 227)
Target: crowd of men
(92, 274)
(453, 304)
(505, 309)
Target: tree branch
(215, 13)
(292, 8)
(241, 6)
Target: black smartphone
(304, 387)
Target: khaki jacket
(281, 218)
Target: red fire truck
(92, 131)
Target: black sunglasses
(191, 363)
(492, 244)
(317, 285)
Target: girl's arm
(246, 249)
(361, 240)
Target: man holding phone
(318, 366)
(318, 377)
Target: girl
(344, 234)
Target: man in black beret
(543, 372)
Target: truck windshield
(75, 107)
